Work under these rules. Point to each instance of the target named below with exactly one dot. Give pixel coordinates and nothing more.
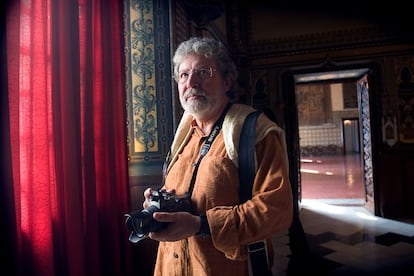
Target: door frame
(288, 82)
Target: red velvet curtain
(65, 190)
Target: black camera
(140, 223)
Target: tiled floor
(354, 242)
(330, 177)
(348, 240)
(345, 239)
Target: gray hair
(210, 48)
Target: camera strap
(207, 145)
(258, 257)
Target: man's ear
(228, 82)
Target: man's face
(202, 88)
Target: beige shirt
(216, 193)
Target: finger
(147, 196)
(147, 193)
(146, 203)
(163, 216)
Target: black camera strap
(258, 259)
(165, 167)
(207, 145)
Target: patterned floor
(348, 240)
(343, 237)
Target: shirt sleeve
(270, 210)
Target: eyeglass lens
(202, 73)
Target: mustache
(194, 92)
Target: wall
(149, 107)
(327, 138)
(148, 93)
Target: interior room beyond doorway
(331, 170)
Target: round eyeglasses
(201, 73)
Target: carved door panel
(366, 143)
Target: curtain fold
(66, 138)
(8, 239)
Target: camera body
(140, 223)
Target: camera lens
(141, 222)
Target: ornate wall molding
(334, 40)
(148, 82)
(405, 93)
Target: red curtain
(65, 188)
